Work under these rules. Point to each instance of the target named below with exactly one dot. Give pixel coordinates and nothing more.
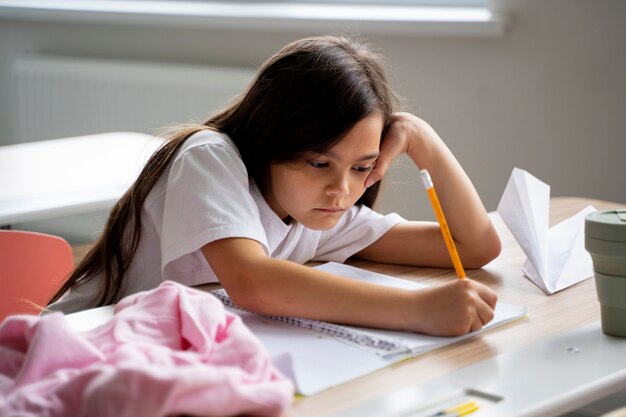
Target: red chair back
(32, 267)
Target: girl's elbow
(244, 297)
(249, 296)
(483, 254)
(241, 299)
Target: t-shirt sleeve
(356, 230)
(207, 198)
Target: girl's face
(318, 190)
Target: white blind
(428, 3)
(400, 17)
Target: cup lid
(606, 225)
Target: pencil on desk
(457, 411)
(445, 230)
(464, 410)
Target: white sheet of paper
(556, 256)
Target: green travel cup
(605, 240)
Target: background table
(61, 177)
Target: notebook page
(415, 342)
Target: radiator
(58, 96)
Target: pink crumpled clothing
(172, 350)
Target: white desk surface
(60, 177)
(546, 378)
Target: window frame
(277, 15)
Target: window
(369, 17)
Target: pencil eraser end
(428, 182)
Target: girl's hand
(454, 308)
(407, 133)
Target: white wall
(548, 96)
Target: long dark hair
(303, 99)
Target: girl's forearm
(276, 287)
(285, 288)
(265, 285)
(465, 213)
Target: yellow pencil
(464, 410)
(458, 410)
(445, 230)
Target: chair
(32, 267)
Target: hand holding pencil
(484, 309)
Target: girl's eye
(363, 169)
(316, 164)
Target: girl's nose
(339, 187)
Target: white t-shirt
(206, 195)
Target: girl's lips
(330, 209)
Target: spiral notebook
(386, 346)
(318, 355)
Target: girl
(285, 175)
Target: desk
(61, 177)
(569, 314)
(569, 310)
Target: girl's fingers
(377, 173)
(484, 304)
(483, 315)
(476, 325)
(487, 295)
(484, 312)
(391, 146)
